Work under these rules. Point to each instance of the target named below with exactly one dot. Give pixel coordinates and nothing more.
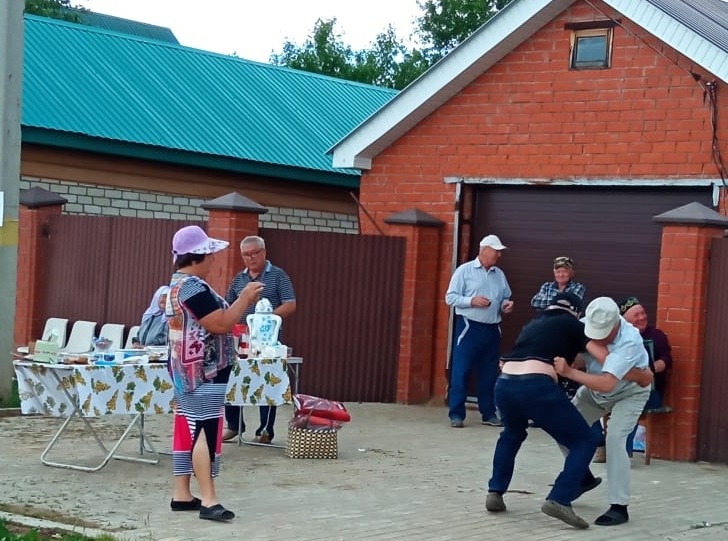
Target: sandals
(192, 505)
(612, 517)
(216, 512)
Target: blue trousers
(267, 419)
(538, 397)
(477, 347)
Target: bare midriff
(529, 366)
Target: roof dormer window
(591, 47)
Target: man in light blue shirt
(480, 294)
(618, 382)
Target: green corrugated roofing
(126, 26)
(96, 90)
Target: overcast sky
(252, 29)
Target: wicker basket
(307, 443)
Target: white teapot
(263, 327)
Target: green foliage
(445, 23)
(55, 9)
(388, 62)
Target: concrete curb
(39, 523)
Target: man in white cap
(617, 382)
(480, 294)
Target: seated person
(658, 349)
(563, 283)
(153, 329)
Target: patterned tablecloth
(99, 390)
(137, 388)
(259, 382)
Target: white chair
(81, 339)
(133, 333)
(115, 333)
(57, 324)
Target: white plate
(23, 349)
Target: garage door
(608, 231)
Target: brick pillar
(232, 218)
(416, 345)
(37, 207)
(681, 313)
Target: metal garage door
(608, 231)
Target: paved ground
(403, 473)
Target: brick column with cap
(416, 345)
(232, 217)
(37, 207)
(681, 313)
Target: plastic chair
(133, 333)
(81, 339)
(57, 324)
(114, 332)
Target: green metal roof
(91, 89)
(126, 26)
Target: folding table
(258, 381)
(85, 391)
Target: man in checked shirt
(563, 283)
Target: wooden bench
(646, 419)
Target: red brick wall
(232, 226)
(32, 269)
(681, 312)
(530, 117)
(415, 364)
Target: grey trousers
(625, 406)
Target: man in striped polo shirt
(278, 289)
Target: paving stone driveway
(403, 473)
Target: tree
(55, 9)
(388, 62)
(322, 52)
(446, 23)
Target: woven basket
(307, 443)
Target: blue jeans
(267, 419)
(477, 347)
(654, 401)
(538, 397)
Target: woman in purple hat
(201, 355)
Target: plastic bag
(318, 414)
(320, 407)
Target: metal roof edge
(667, 29)
(73, 141)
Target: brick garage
(507, 110)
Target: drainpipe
(453, 265)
